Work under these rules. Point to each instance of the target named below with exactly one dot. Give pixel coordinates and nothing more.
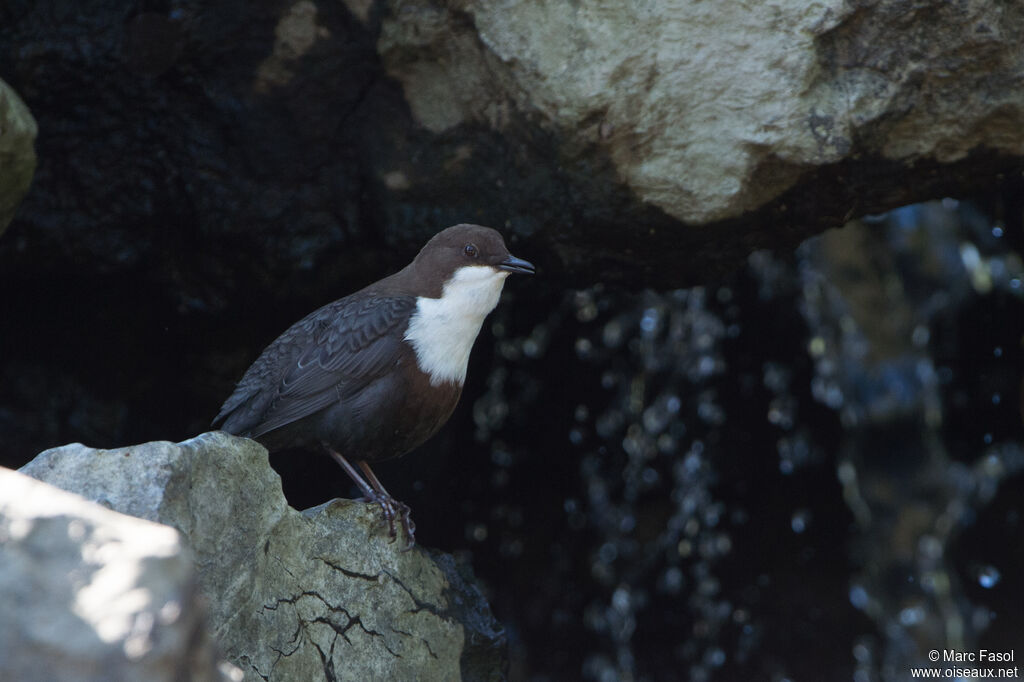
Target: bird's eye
(470, 250)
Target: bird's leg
(406, 519)
(376, 493)
(350, 470)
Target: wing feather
(327, 356)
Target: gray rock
(17, 152)
(710, 110)
(91, 594)
(311, 595)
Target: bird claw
(376, 493)
(393, 508)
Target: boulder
(92, 594)
(320, 594)
(711, 110)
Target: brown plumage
(373, 375)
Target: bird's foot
(395, 509)
(375, 492)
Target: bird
(373, 375)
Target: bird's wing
(325, 357)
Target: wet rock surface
(320, 594)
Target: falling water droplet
(988, 577)
(800, 520)
(859, 597)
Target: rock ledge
(293, 595)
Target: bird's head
(469, 257)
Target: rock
(655, 144)
(92, 594)
(711, 110)
(321, 593)
(17, 152)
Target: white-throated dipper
(373, 375)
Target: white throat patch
(442, 330)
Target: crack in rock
(444, 614)
(349, 572)
(302, 626)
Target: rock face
(711, 110)
(655, 143)
(17, 153)
(312, 595)
(91, 594)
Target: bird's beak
(513, 264)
